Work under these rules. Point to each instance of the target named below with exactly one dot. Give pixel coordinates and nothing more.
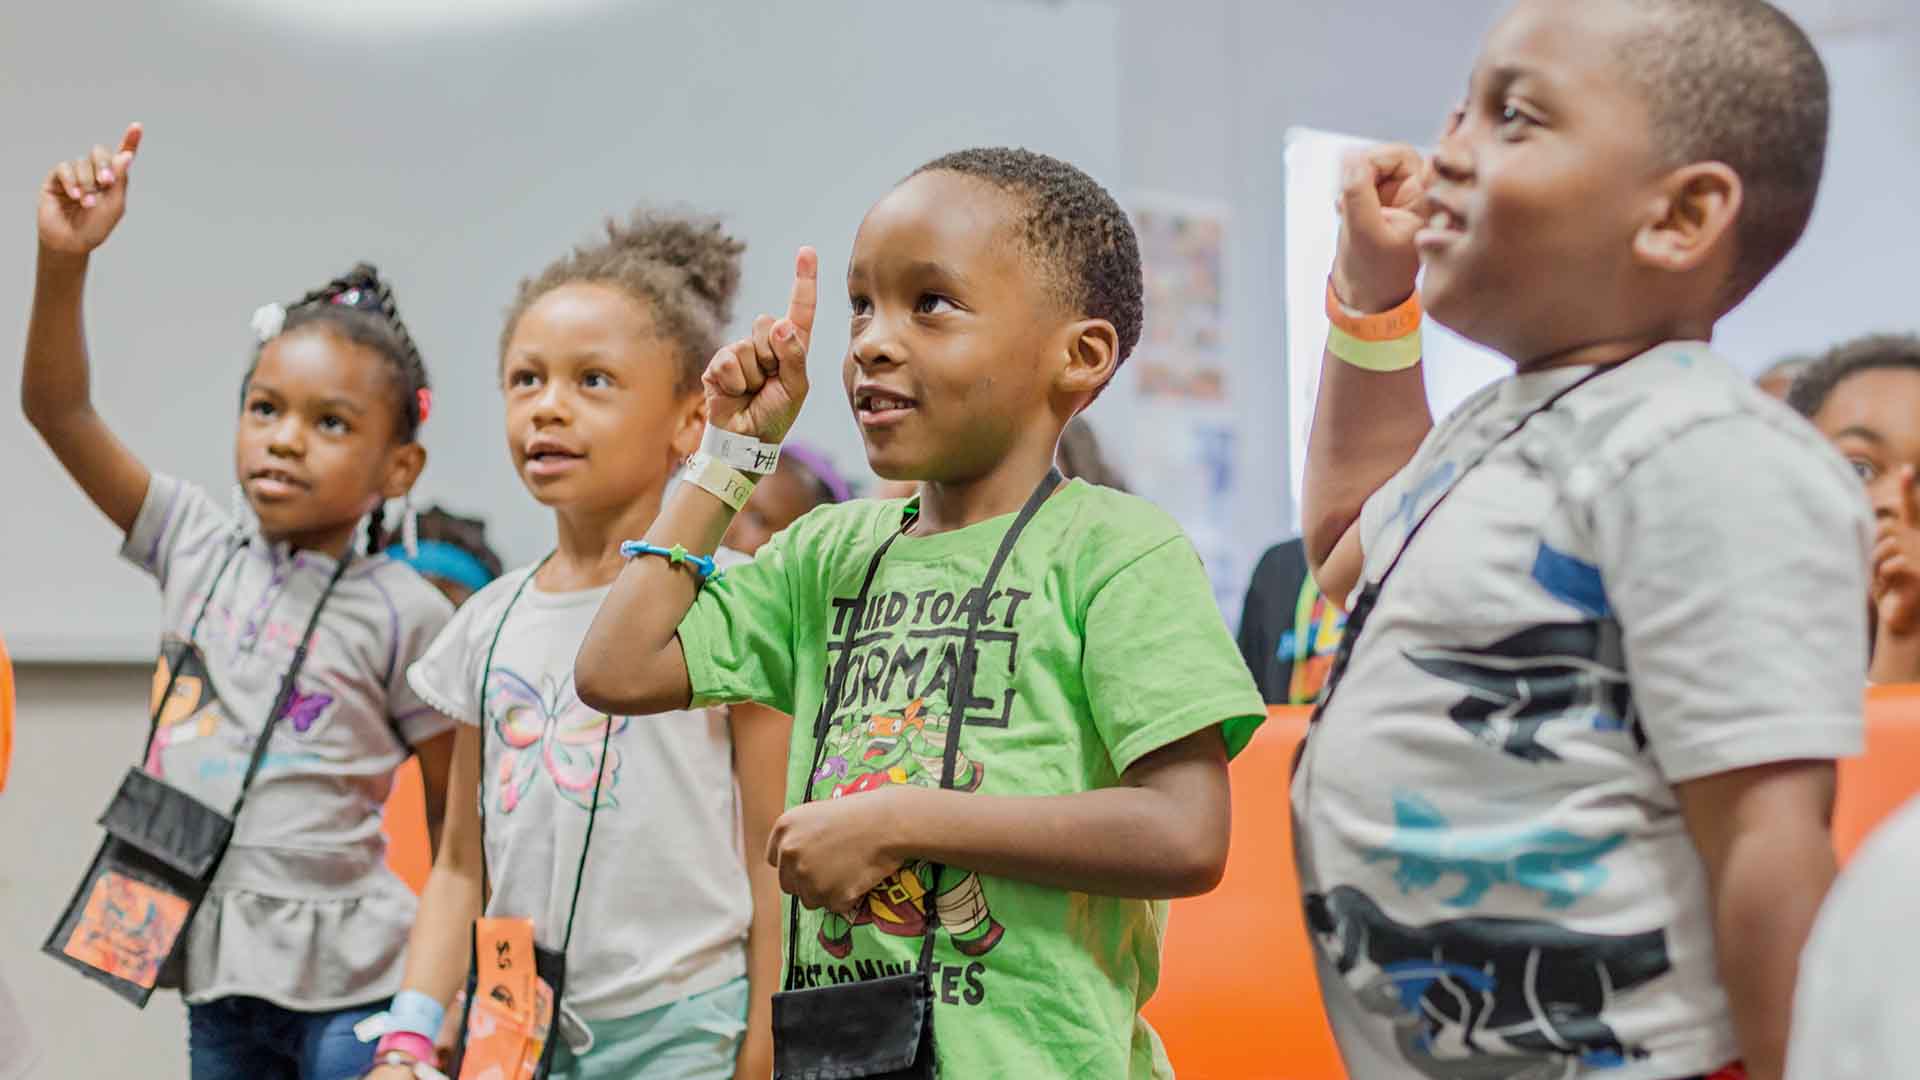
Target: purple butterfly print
(306, 708)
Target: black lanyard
(960, 694)
(1363, 604)
(287, 681)
(593, 808)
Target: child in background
(1777, 380)
(803, 480)
(993, 293)
(675, 942)
(1081, 458)
(302, 933)
(1865, 397)
(452, 554)
(1565, 808)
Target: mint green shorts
(695, 1038)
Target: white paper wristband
(743, 452)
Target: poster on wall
(1184, 455)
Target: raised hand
(83, 199)
(756, 385)
(1896, 560)
(1382, 193)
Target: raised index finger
(130, 142)
(806, 292)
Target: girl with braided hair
(286, 640)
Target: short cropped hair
(1084, 242)
(1875, 352)
(1738, 82)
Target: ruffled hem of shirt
(307, 955)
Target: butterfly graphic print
(305, 708)
(546, 730)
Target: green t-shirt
(1099, 644)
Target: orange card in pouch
(501, 1019)
(128, 928)
(542, 1028)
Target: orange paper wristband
(1386, 326)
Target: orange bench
(1237, 997)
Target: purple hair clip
(816, 463)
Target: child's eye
(522, 378)
(1866, 470)
(860, 305)
(334, 425)
(1514, 119)
(261, 409)
(932, 304)
(596, 380)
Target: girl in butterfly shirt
(303, 932)
(600, 367)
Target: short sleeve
(446, 677)
(1159, 664)
(424, 615)
(738, 637)
(178, 524)
(1734, 557)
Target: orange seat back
(409, 853)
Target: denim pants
(242, 1038)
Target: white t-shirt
(1661, 578)
(1856, 1009)
(665, 903)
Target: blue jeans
(242, 1038)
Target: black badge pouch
(878, 1029)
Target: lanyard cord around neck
(958, 697)
(281, 699)
(593, 807)
(174, 664)
(1369, 594)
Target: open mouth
(874, 406)
(1443, 227)
(271, 482)
(545, 459)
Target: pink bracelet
(408, 1042)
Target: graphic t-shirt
(304, 911)
(1659, 579)
(1099, 643)
(1289, 630)
(664, 901)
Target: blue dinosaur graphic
(1561, 866)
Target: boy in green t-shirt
(994, 293)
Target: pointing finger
(806, 293)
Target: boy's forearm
(1771, 890)
(630, 663)
(1366, 427)
(1123, 841)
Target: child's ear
(692, 424)
(1693, 219)
(1093, 353)
(403, 468)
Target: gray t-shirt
(1661, 578)
(665, 902)
(303, 911)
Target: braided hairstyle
(684, 268)
(359, 307)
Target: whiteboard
(461, 156)
(1454, 366)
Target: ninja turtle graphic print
(1656, 580)
(1099, 643)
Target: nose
(287, 436)
(552, 406)
(1452, 160)
(876, 342)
